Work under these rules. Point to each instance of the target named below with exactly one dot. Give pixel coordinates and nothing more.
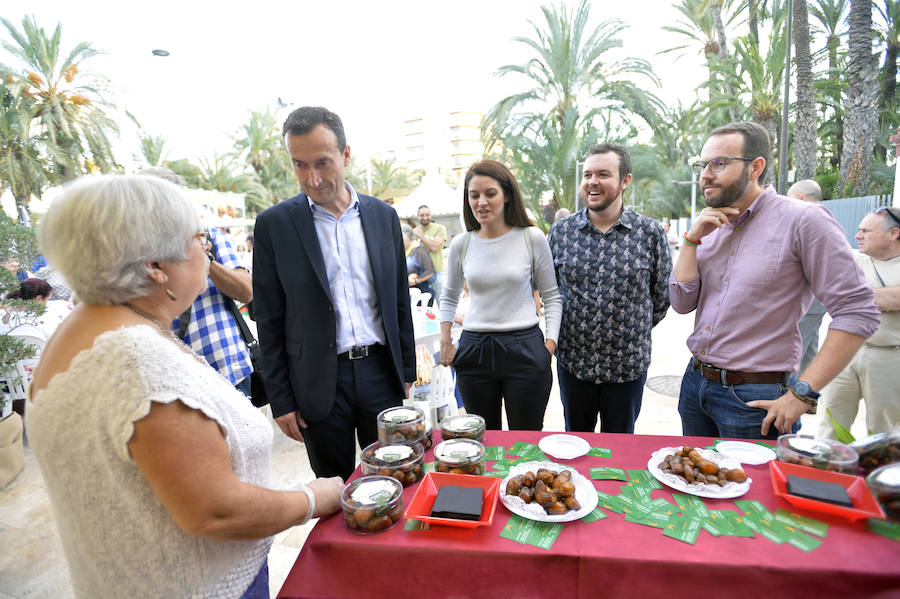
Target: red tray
(864, 504)
(421, 504)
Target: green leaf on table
(840, 431)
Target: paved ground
(32, 564)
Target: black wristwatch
(804, 393)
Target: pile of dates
(695, 469)
(553, 491)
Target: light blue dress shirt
(349, 273)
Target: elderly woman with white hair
(157, 468)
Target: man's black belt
(735, 377)
(361, 351)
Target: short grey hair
(103, 230)
(407, 231)
(807, 190)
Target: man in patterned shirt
(612, 266)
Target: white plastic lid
(393, 453)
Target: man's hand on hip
(783, 412)
(292, 425)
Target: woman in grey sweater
(502, 353)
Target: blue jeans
(244, 387)
(618, 404)
(710, 409)
(259, 588)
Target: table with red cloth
(606, 558)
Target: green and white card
(599, 452)
(529, 532)
(607, 473)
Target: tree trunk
(861, 102)
(888, 90)
(805, 119)
(716, 8)
(753, 21)
(832, 44)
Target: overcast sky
(375, 63)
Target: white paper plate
(746, 453)
(701, 490)
(585, 493)
(564, 447)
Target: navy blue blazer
(294, 311)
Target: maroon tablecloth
(607, 558)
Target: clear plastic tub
(463, 426)
(825, 454)
(459, 456)
(884, 483)
(877, 450)
(402, 462)
(372, 504)
(401, 425)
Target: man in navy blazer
(332, 301)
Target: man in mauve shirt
(750, 265)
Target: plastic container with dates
(403, 425)
(402, 462)
(464, 426)
(877, 450)
(459, 456)
(884, 483)
(372, 504)
(825, 454)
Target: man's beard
(601, 206)
(732, 192)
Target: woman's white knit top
(118, 538)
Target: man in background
(809, 191)
(433, 236)
(872, 374)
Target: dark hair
(514, 208)
(757, 143)
(306, 118)
(423, 206)
(30, 289)
(620, 151)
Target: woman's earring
(169, 293)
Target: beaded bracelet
(690, 241)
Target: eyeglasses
(203, 237)
(716, 165)
(889, 213)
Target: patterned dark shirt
(614, 290)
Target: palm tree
(889, 32)
(715, 8)
(218, 175)
(697, 24)
(805, 120)
(830, 17)
(152, 149)
(24, 168)
(569, 68)
(69, 111)
(258, 144)
(860, 112)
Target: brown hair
(513, 210)
(756, 142)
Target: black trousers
(365, 387)
(512, 366)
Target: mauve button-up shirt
(757, 277)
